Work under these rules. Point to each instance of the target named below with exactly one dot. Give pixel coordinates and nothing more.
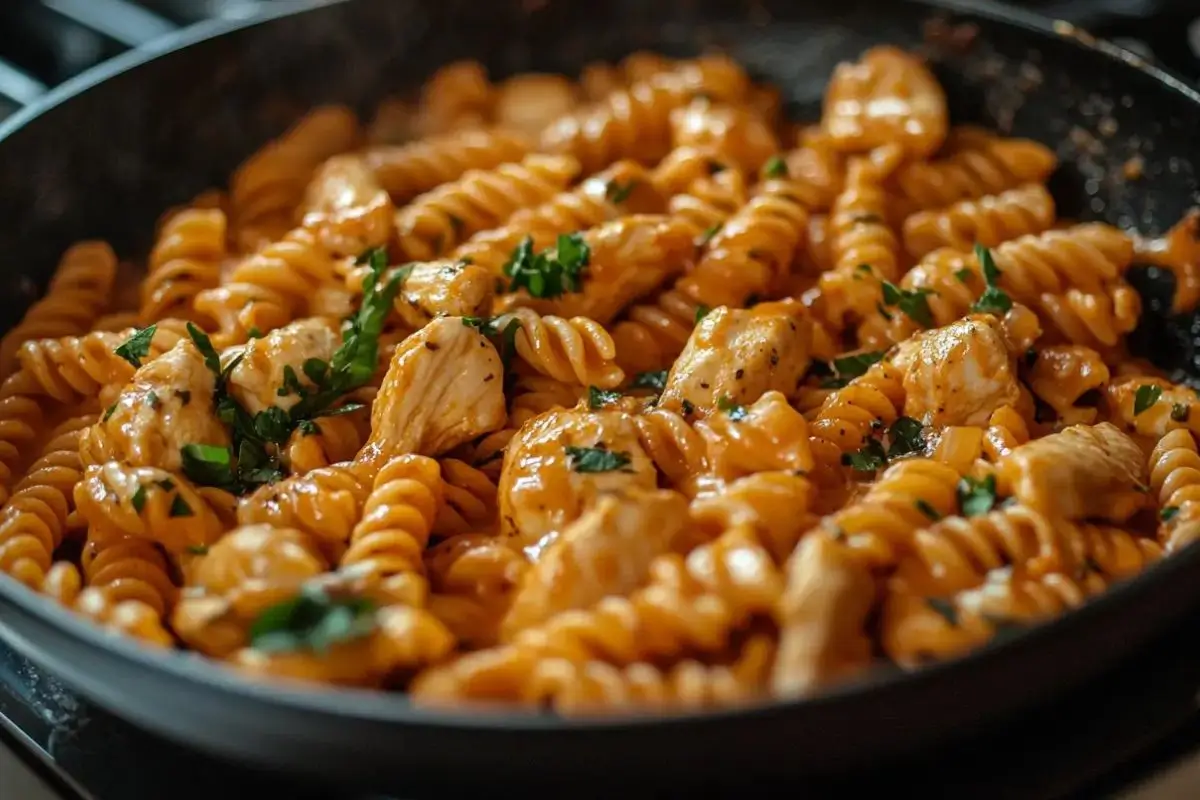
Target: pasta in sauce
(617, 394)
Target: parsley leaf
(912, 302)
(180, 508)
(994, 300)
(962, 275)
(616, 193)
(775, 167)
(1179, 412)
(599, 398)
(596, 459)
(928, 510)
(138, 501)
(869, 459)
(943, 608)
(198, 549)
(707, 236)
(906, 436)
(109, 412)
(209, 465)
(976, 497)
(846, 368)
(702, 311)
(1168, 513)
(137, 346)
(554, 271)
(656, 381)
(736, 413)
(312, 621)
(1146, 395)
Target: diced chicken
(959, 374)
(258, 378)
(822, 616)
(346, 207)
(629, 258)
(167, 404)
(735, 356)
(605, 552)
(1082, 472)
(445, 289)
(444, 386)
(736, 132)
(560, 463)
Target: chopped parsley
(209, 465)
(702, 311)
(944, 609)
(976, 497)
(928, 510)
(963, 275)
(846, 368)
(599, 398)
(906, 436)
(312, 621)
(152, 399)
(596, 459)
(198, 549)
(869, 459)
(137, 346)
(912, 302)
(1168, 513)
(109, 412)
(1179, 412)
(994, 300)
(1146, 395)
(139, 499)
(656, 381)
(707, 236)
(733, 410)
(687, 408)
(775, 167)
(552, 272)
(180, 508)
(617, 193)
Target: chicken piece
(1082, 472)
(529, 102)
(766, 435)
(444, 387)
(735, 132)
(167, 404)
(559, 463)
(346, 207)
(822, 615)
(445, 289)
(605, 552)
(959, 374)
(1164, 406)
(629, 258)
(249, 570)
(258, 378)
(735, 356)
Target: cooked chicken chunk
(1083, 472)
(629, 258)
(445, 289)
(734, 356)
(605, 552)
(346, 207)
(560, 463)
(1164, 407)
(167, 404)
(444, 386)
(958, 374)
(258, 379)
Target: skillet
(103, 155)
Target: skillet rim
(377, 706)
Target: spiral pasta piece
(76, 296)
(437, 222)
(128, 569)
(325, 504)
(989, 221)
(635, 122)
(397, 519)
(675, 447)
(21, 417)
(577, 350)
(406, 171)
(39, 514)
(1175, 477)
(848, 416)
(267, 188)
(988, 165)
(346, 208)
(335, 440)
(470, 500)
(958, 553)
(185, 261)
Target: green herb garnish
(551, 273)
(1146, 395)
(994, 300)
(1179, 412)
(976, 497)
(869, 459)
(311, 621)
(927, 510)
(596, 459)
(198, 549)
(906, 435)
(599, 398)
(180, 508)
(846, 368)
(912, 302)
(944, 609)
(656, 381)
(1168, 513)
(775, 167)
(618, 193)
(138, 501)
(736, 413)
(137, 346)
(702, 311)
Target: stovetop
(1103, 739)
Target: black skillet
(105, 154)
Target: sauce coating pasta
(604, 394)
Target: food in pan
(617, 393)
